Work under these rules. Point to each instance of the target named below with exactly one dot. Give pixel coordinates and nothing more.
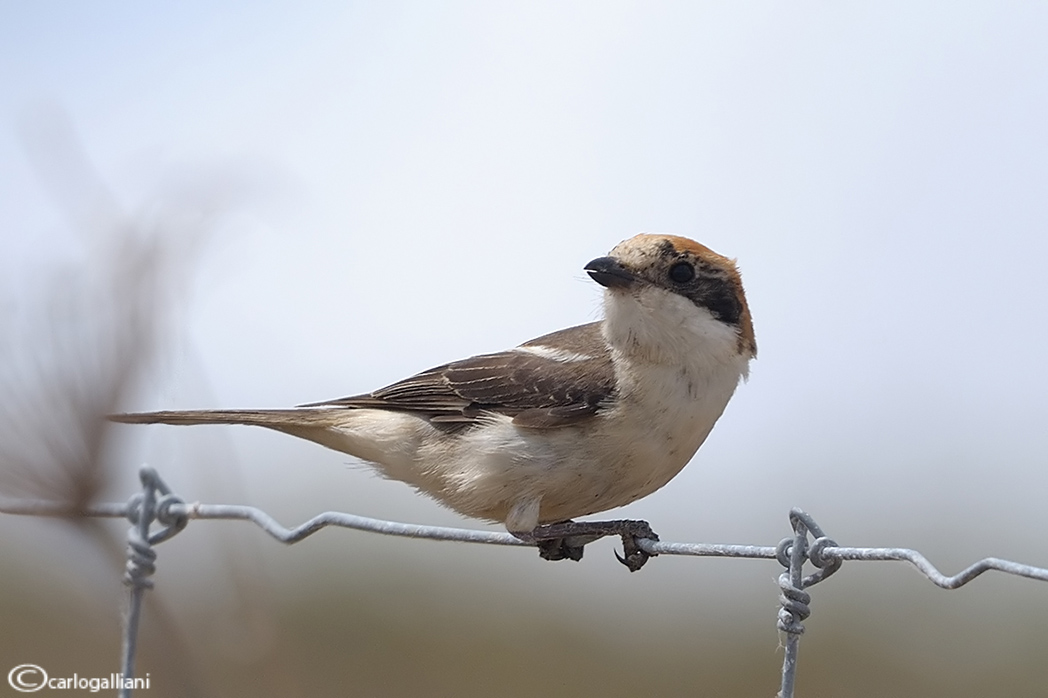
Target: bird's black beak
(608, 272)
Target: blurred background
(263, 204)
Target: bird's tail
(280, 420)
(388, 439)
(317, 424)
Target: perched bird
(572, 423)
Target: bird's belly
(579, 470)
(644, 442)
(629, 463)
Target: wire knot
(791, 554)
(154, 503)
(794, 604)
(819, 559)
(171, 512)
(141, 559)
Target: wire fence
(157, 514)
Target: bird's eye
(682, 272)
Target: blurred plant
(73, 345)
(75, 340)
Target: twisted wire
(157, 505)
(793, 599)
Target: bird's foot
(566, 540)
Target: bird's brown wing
(553, 381)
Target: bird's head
(668, 297)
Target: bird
(570, 424)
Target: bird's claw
(566, 540)
(559, 549)
(633, 556)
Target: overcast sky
(430, 178)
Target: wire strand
(157, 514)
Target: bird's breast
(662, 416)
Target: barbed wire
(157, 514)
